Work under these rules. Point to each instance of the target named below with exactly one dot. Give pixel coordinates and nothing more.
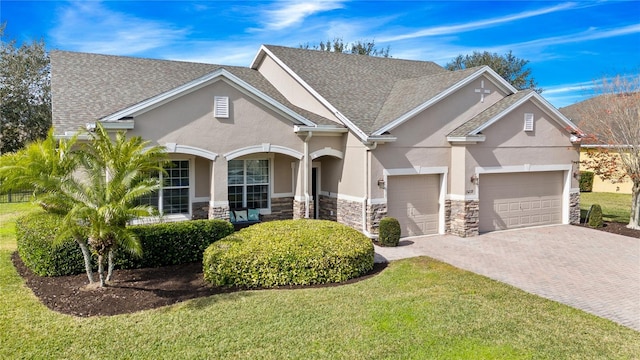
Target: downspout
(305, 185)
(367, 184)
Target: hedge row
(586, 181)
(162, 244)
(288, 252)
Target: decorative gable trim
(528, 122)
(541, 103)
(221, 107)
(483, 71)
(218, 75)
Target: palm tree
(95, 186)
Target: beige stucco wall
(291, 88)
(600, 185)
(422, 140)
(351, 181)
(202, 170)
(189, 120)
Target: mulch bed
(131, 290)
(143, 289)
(618, 228)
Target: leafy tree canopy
(25, 93)
(510, 67)
(360, 47)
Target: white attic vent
(221, 107)
(528, 122)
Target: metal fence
(15, 197)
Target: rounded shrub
(288, 252)
(389, 232)
(595, 216)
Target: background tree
(508, 66)
(612, 119)
(25, 93)
(360, 47)
(95, 185)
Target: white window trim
(269, 158)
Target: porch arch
(327, 152)
(264, 148)
(190, 150)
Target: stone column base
(221, 213)
(574, 208)
(464, 220)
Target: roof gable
(112, 87)
(475, 126)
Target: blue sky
(568, 44)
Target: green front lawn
(415, 309)
(615, 207)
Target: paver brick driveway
(588, 269)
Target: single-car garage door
(515, 200)
(413, 200)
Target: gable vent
(221, 106)
(528, 122)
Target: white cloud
(291, 13)
(454, 29)
(92, 27)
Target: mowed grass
(615, 207)
(415, 309)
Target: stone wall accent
(463, 218)
(221, 212)
(298, 209)
(328, 208)
(199, 210)
(281, 209)
(574, 208)
(375, 213)
(349, 213)
(447, 216)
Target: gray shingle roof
(88, 87)
(480, 119)
(369, 91)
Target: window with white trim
(173, 196)
(248, 183)
(528, 122)
(221, 107)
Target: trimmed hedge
(288, 252)
(389, 232)
(35, 234)
(163, 244)
(586, 181)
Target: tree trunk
(634, 221)
(110, 265)
(101, 269)
(87, 259)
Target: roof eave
(469, 139)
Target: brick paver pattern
(591, 270)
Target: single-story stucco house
(580, 113)
(352, 138)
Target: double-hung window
(248, 182)
(173, 196)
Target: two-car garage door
(414, 201)
(515, 200)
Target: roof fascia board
(320, 129)
(466, 139)
(542, 104)
(497, 80)
(359, 133)
(220, 74)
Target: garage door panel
(413, 200)
(516, 200)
